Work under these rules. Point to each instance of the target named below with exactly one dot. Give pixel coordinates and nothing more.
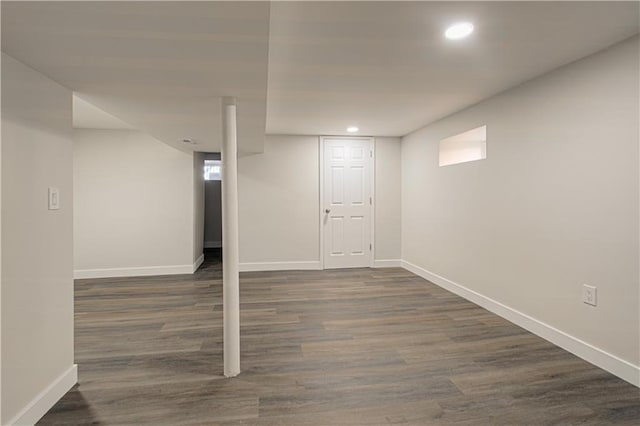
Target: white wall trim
(321, 199)
(213, 244)
(372, 204)
(197, 263)
(611, 363)
(133, 272)
(139, 271)
(281, 266)
(387, 263)
(46, 399)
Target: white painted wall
(37, 244)
(279, 202)
(1, 255)
(213, 209)
(134, 205)
(198, 208)
(387, 201)
(554, 205)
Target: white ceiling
(88, 116)
(162, 67)
(386, 67)
(298, 67)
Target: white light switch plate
(54, 199)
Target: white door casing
(346, 202)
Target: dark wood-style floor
(344, 347)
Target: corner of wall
(47, 398)
(198, 207)
(36, 154)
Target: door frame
(372, 206)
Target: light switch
(54, 199)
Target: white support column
(230, 252)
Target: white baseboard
(600, 358)
(197, 263)
(134, 272)
(213, 244)
(387, 263)
(46, 399)
(280, 266)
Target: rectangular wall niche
(464, 147)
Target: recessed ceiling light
(188, 141)
(459, 30)
(352, 129)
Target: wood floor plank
(338, 347)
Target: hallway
(360, 346)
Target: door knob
(327, 211)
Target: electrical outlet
(589, 295)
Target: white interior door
(347, 202)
